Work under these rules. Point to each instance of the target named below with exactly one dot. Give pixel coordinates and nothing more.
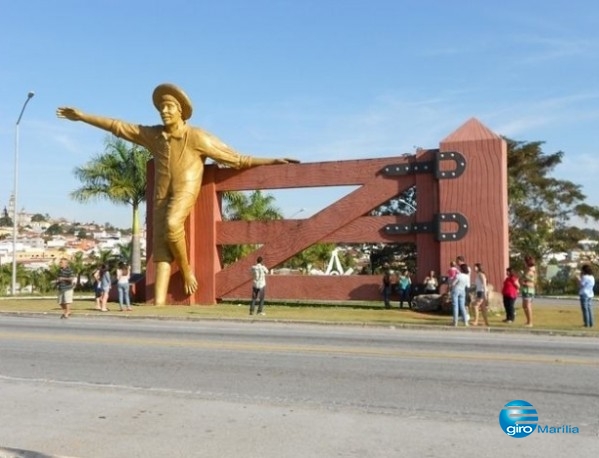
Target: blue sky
(318, 80)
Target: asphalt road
(140, 388)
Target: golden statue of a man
(179, 152)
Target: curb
(399, 326)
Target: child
(452, 272)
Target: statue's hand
(72, 114)
(286, 161)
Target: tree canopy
(253, 206)
(541, 207)
(38, 217)
(119, 175)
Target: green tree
(254, 206)
(317, 256)
(54, 229)
(104, 257)
(5, 220)
(79, 266)
(37, 218)
(404, 204)
(251, 207)
(42, 281)
(22, 276)
(125, 250)
(541, 207)
(5, 278)
(119, 175)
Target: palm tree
(254, 206)
(119, 175)
(5, 278)
(251, 207)
(125, 250)
(23, 276)
(103, 257)
(78, 266)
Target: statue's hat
(180, 96)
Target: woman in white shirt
(458, 294)
(122, 283)
(480, 303)
(430, 283)
(587, 285)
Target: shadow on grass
(314, 304)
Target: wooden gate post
(427, 206)
(480, 194)
(203, 251)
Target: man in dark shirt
(64, 282)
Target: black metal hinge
(433, 166)
(433, 226)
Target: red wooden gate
(461, 210)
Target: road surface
(143, 388)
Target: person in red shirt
(511, 286)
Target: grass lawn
(561, 319)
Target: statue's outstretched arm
(269, 161)
(73, 114)
(222, 153)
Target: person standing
(259, 272)
(511, 286)
(404, 285)
(122, 282)
(480, 303)
(459, 288)
(387, 285)
(179, 152)
(587, 285)
(105, 285)
(452, 272)
(431, 283)
(64, 282)
(97, 289)
(461, 261)
(529, 280)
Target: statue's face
(170, 113)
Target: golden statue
(179, 152)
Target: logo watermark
(519, 419)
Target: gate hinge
(433, 166)
(433, 226)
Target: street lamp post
(297, 212)
(15, 202)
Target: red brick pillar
(480, 194)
